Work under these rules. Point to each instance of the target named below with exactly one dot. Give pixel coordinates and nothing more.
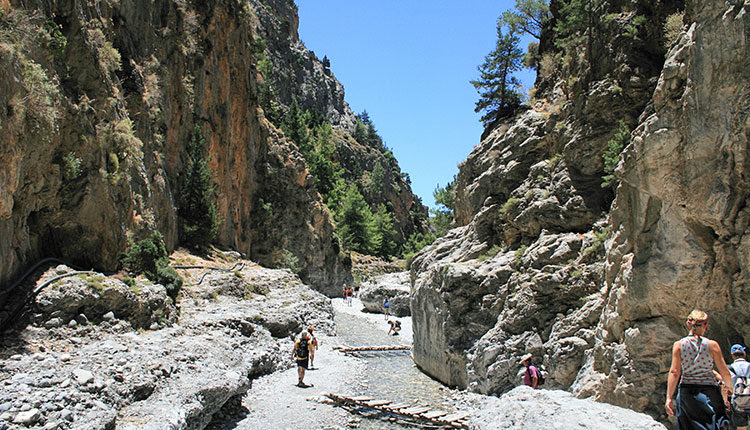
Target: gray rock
(66, 414)
(525, 408)
(53, 322)
(27, 417)
(109, 316)
(82, 376)
(395, 286)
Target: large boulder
(95, 295)
(525, 408)
(394, 286)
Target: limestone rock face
(96, 124)
(297, 73)
(680, 220)
(395, 286)
(524, 272)
(539, 265)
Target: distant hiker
(314, 341)
(349, 295)
(386, 308)
(740, 370)
(699, 399)
(395, 327)
(301, 353)
(531, 374)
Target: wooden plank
(361, 399)
(434, 414)
(397, 406)
(415, 410)
(454, 417)
(372, 348)
(375, 403)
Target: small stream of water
(390, 375)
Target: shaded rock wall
(680, 219)
(95, 125)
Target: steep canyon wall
(99, 101)
(539, 262)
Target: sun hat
(737, 348)
(524, 358)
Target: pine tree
(529, 17)
(196, 209)
(385, 246)
(498, 88)
(442, 217)
(355, 223)
(295, 127)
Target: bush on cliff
(149, 257)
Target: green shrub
(149, 257)
(71, 168)
(672, 28)
(508, 205)
(611, 156)
(287, 260)
(489, 253)
(518, 255)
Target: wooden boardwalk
(348, 349)
(407, 413)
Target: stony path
(275, 402)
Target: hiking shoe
(303, 385)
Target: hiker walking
(349, 295)
(386, 308)
(740, 370)
(531, 374)
(699, 398)
(314, 341)
(302, 351)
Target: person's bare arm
(721, 365)
(535, 379)
(673, 377)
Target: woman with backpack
(302, 351)
(699, 399)
(531, 375)
(740, 370)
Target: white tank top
(697, 363)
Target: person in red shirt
(531, 374)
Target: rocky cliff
(292, 72)
(539, 263)
(99, 102)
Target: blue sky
(408, 63)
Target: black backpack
(539, 375)
(302, 349)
